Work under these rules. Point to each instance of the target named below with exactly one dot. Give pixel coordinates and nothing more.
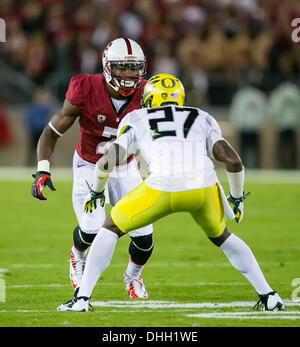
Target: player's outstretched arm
(58, 125)
(224, 153)
(115, 155)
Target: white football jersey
(176, 142)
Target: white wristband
(43, 165)
(236, 183)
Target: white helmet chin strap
(115, 87)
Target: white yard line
(152, 264)
(177, 284)
(65, 174)
(221, 284)
(38, 285)
(35, 266)
(151, 306)
(24, 173)
(52, 285)
(291, 315)
(162, 306)
(172, 304)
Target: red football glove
(41, 179)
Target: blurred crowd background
(236, 59)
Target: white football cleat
(77, 266)
(269, 302)
(135, 287)
(81, 304)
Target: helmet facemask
(126, 75)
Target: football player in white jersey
(178, 143)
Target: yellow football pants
(144, 205)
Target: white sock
(78, 254)
(98, 259)
(242, 258)
(133, 270)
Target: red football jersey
(98, 119)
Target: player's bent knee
(140, 248)
(110, 225)
(220, 239)
(143, 231)
(81, 239)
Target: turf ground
(189, 281)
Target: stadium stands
(216, 47)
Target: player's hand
(41, 179)
(238, 206)
(91, 203)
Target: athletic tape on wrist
(100, 179)
(101, 174)
(43, 165)
(236, 183)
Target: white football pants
(122, 180)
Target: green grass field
(189, 281)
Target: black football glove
(91, 203)
(238, 206)
(41, 179)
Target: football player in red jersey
(100, 101)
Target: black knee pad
(140, 248)
(82, 240)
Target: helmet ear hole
(148, 102)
